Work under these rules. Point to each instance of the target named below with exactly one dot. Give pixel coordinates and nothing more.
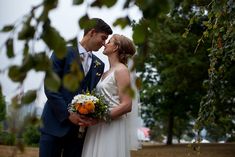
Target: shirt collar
(81, 49)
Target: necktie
(85, 62)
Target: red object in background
(143, 134)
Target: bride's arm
(122, 77)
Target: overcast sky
(65, 19)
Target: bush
(7, 138)
(231, 139)
(31, 135)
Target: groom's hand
(78, 119)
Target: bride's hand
(78, 119)
(92, 121)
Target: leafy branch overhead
(36, 27)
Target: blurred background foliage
(185, 61)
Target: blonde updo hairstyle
(126, 48)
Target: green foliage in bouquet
(92, 104)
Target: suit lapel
(78, 58)
(96, 72)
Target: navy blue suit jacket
(55, 113)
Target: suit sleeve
(56, 99)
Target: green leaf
(29, 97)
(20, 145)
(41, 62)
(15, 102)
(184, 35)
(139, 34)
(100, 3)
(202, 2)
(77, 2)
(50, 4)
(108, 3)
(10, 48)
(26, 49)
(130, 92)
(16, 73)
(73, 42)
(138, 83)
(141, 4)
(96, 3)
(44, 15)
(52, 81)
(127, 4)
(152, 9)
(37, 61)
(7, 28)
(27, 32)
(122, 22)
(70, 81)
(27, 63)
(85, 22)
(54, 40)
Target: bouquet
(91, 105)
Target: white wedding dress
(109, 139)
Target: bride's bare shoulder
(121, 68)
(122, 72)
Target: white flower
(82, 98)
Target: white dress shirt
(86, 62)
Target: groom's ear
(92, 32)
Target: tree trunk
(170, 128)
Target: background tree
(6, 138)
(217, 18)
(2, 107)
(171, 99)
(217, 106)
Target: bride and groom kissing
(60, 127)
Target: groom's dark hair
(99, 25)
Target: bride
(115, 138)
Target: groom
(59, 131)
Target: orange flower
(90, 106)
(82, 109)
(77, 106)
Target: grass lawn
(148, 150)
